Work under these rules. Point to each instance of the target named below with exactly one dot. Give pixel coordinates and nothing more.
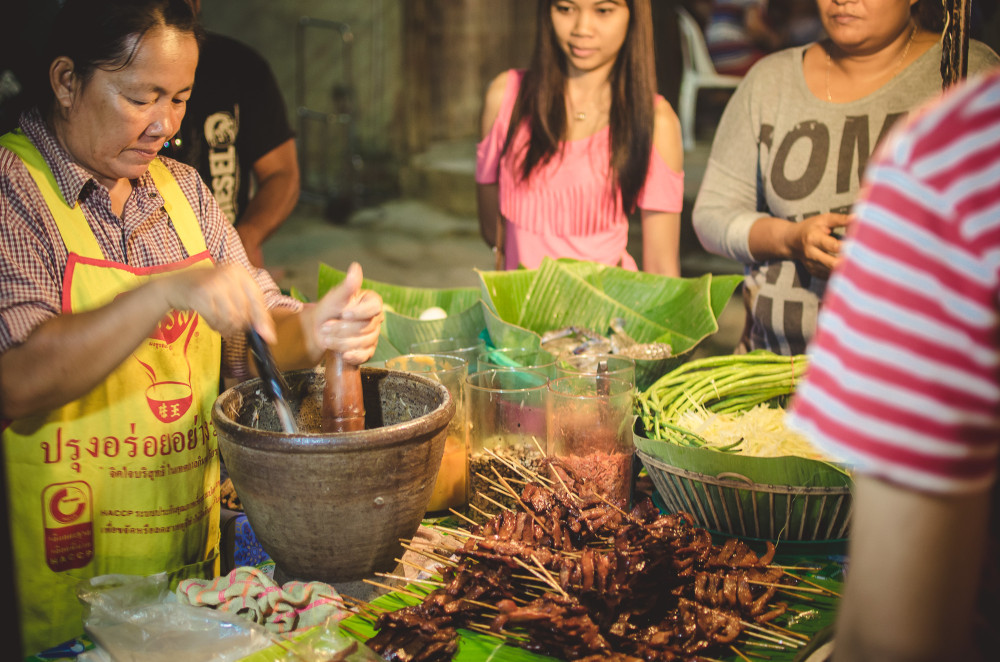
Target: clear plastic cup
(468, 349)
(589, 430)
(533, 358)
(450, 487)
(507, 435)
(609, 365)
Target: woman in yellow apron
(122, 285)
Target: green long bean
(720, 384)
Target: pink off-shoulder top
(571, 206)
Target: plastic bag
(137, 619)
(325, 643)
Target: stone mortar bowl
(334, 507)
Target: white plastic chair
(699, 73)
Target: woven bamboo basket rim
(767, 515)
(739, 481)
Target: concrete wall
(410, 73)
(272, 27)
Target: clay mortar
(333, 507)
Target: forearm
(725, 212)
(274, 200)
(488, 207)
(68, 355)
(296, 348)
(661, 243)
(770, 239)
(277, 175)
(915, 565)
(728, 201)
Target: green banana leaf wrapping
(516, 307)
(681, 312)
(787, 470)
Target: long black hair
(105, 34)
(541, 101)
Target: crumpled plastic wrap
(134, 618)
(325, 643)
(137, 619)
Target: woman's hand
(346, 320)
(66, 356)
(226, 297)
(813, 243)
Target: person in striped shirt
(904, 385)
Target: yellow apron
(125, 479)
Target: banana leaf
(788, 470)
(403, 307)
(560, 293)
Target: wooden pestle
(343, 400)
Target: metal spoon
(274, 383)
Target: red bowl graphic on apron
(169, 400)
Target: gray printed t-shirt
(780, 151)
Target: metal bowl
(334, 507)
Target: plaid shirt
(33, 256)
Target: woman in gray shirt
(790, 150)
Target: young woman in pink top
(579, 141)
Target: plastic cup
(467, 349)
(609, 365)
(506, 414)
(519, 357)
(450, 485)
(589, 430)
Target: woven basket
(732, 504)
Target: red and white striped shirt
(904, 379)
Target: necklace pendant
(579, 117)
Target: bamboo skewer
(552, 580)
(806, 581)
(607, 502)
(789, 633)
(761, 644)
(495, 503)
(431, 555)
(519, 468)
(411, 564)
(458, 533)
(518, 498)
(413, 580)
(504, 634)
(540, 576)
(773, 640)
(786, 587)
(495, 486)
(480, 510)
(462, 516)
(393, 589)
(775, 632)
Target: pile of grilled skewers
(570, 575)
